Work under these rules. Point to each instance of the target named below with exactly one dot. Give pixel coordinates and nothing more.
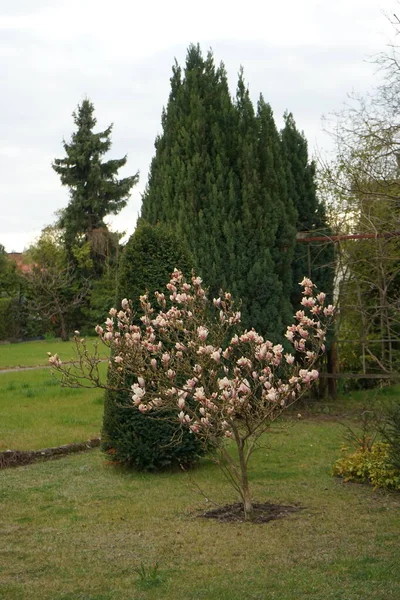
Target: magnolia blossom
(165, 358)
(244, 362)
(199, 394)
(202, 333)
(216, 355)
(54, 360)
(309, 301)
(289, 358)
(308, 376)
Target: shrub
(369, 465)
(149, 257)
(136, 440)
(391, 434)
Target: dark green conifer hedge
(142, 441)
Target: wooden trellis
(379, 356)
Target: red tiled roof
(18, 259)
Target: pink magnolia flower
(216, 355)
(202, 333)
(308, 301)
(289, 359)
(199, 394)
(55, 360)
(165, 358)
(182, 298)
(235, 340)
(306, 282)
(289, 335)
(244, 362)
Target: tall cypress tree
(191, 171)
(219, 179)
(255, 279)
(281, 210)
(315, 259)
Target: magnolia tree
(188, 355)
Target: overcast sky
(303, 56)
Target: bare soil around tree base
(263, 513)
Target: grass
(81, 529)
(32, 354)
(350, 403)
(36, 412)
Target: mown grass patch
(32, 354)
(350, 404)
(79, 528)
(36, 412)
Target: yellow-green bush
(369, 466)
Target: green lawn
(78, 528)
(32, 354)
(36, 412)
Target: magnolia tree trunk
(244, 486)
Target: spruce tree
(95, 191)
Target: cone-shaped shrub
(147, 443)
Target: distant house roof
(18, 259)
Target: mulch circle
(265, 512)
